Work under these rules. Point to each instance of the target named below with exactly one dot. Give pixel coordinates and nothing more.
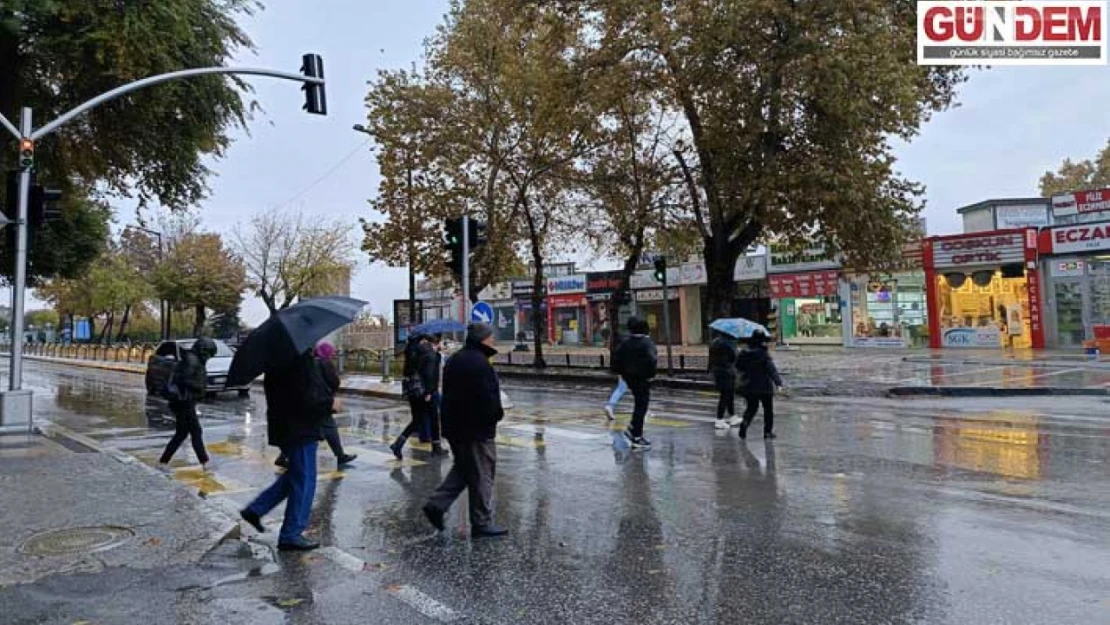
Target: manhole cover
(76, 540)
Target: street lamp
(408, 216)
(163, 305)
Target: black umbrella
(289, 333)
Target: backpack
(316, 395)
(171, 390)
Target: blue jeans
(615, 398)
(297, 485)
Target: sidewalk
(86, 511)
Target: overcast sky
(1012, 125)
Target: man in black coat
(298, 405)
(636, 361)
(421, 374)
(470, 413)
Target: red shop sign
(566, 301)
(809, 284)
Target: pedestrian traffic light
(661, 269)
(11, 197)
(315, 99)
(26, 153)
(477, 235)
(453, 241)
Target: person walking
(420, 385)
(298, 404)
(636, 361)
(622, 386)
(761, 380)
(325, 353)
(722, 365)
(190, 378)
(471, 410)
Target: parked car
(165, 358)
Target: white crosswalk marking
(424, 604)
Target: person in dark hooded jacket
(636, 361)
(722, 365)
(191, 378)
(422, 370)
(761, 380)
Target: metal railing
(137, 353)
(570, 360)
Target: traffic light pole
(466, 269)
(15, 403)
(667, 323)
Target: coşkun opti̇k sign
(1011, 32)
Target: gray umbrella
(289, 333)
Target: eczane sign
(1011, 32)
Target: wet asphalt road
(863, 511)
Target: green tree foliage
(152, 144)
(201, 273)
(1078, 175)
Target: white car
(165, 358)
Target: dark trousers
(331, 435)
(425, 417)
(473, 470)
(187, 425)
(641, 392)
(726, 401)
(754, 400)
(296, 486)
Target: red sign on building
(808, 284)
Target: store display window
(888, 309)
(812, 319)
(984, 308)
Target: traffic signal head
(315, 99)
(453, 241)
(661, 269)
(42, 206)
(477, 235)
(26, 153)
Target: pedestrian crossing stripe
(381, 458)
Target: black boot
(438, 450)
(397, 446)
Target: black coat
(471, 396)
(722, 357)
(288, 420)
(636, 358)
(422, 361)
(191, 376)
(760, 375)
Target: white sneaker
(721, 424)
(609, 413)
(736, 421)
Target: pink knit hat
(325, 351)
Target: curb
(976, 391)
(228, 526)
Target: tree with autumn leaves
(722, 124)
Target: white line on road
(343, 559)
(946, 376)
(553, 431)
(424, 604)
(1031, 377)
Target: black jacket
(422, 361)
(760, 375)
(722, 357)
(636, 358)
(288, 420)
(191, 376)
(471, 396)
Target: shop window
(890, 307)
(995, 307)
(812, 319)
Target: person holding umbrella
(299, 402)
(420, 385)
(722, 364)
(325, 353)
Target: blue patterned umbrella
(738, 327)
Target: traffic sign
(481, 313)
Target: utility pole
(15, 403)
(661, 276)
(163, 305)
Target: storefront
(889, 309)
(809, 305)
(500, 297)
(1076, 264)
(753, 295)
(522, 295)
(567, 314)
(649, 305)
(984, 290)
